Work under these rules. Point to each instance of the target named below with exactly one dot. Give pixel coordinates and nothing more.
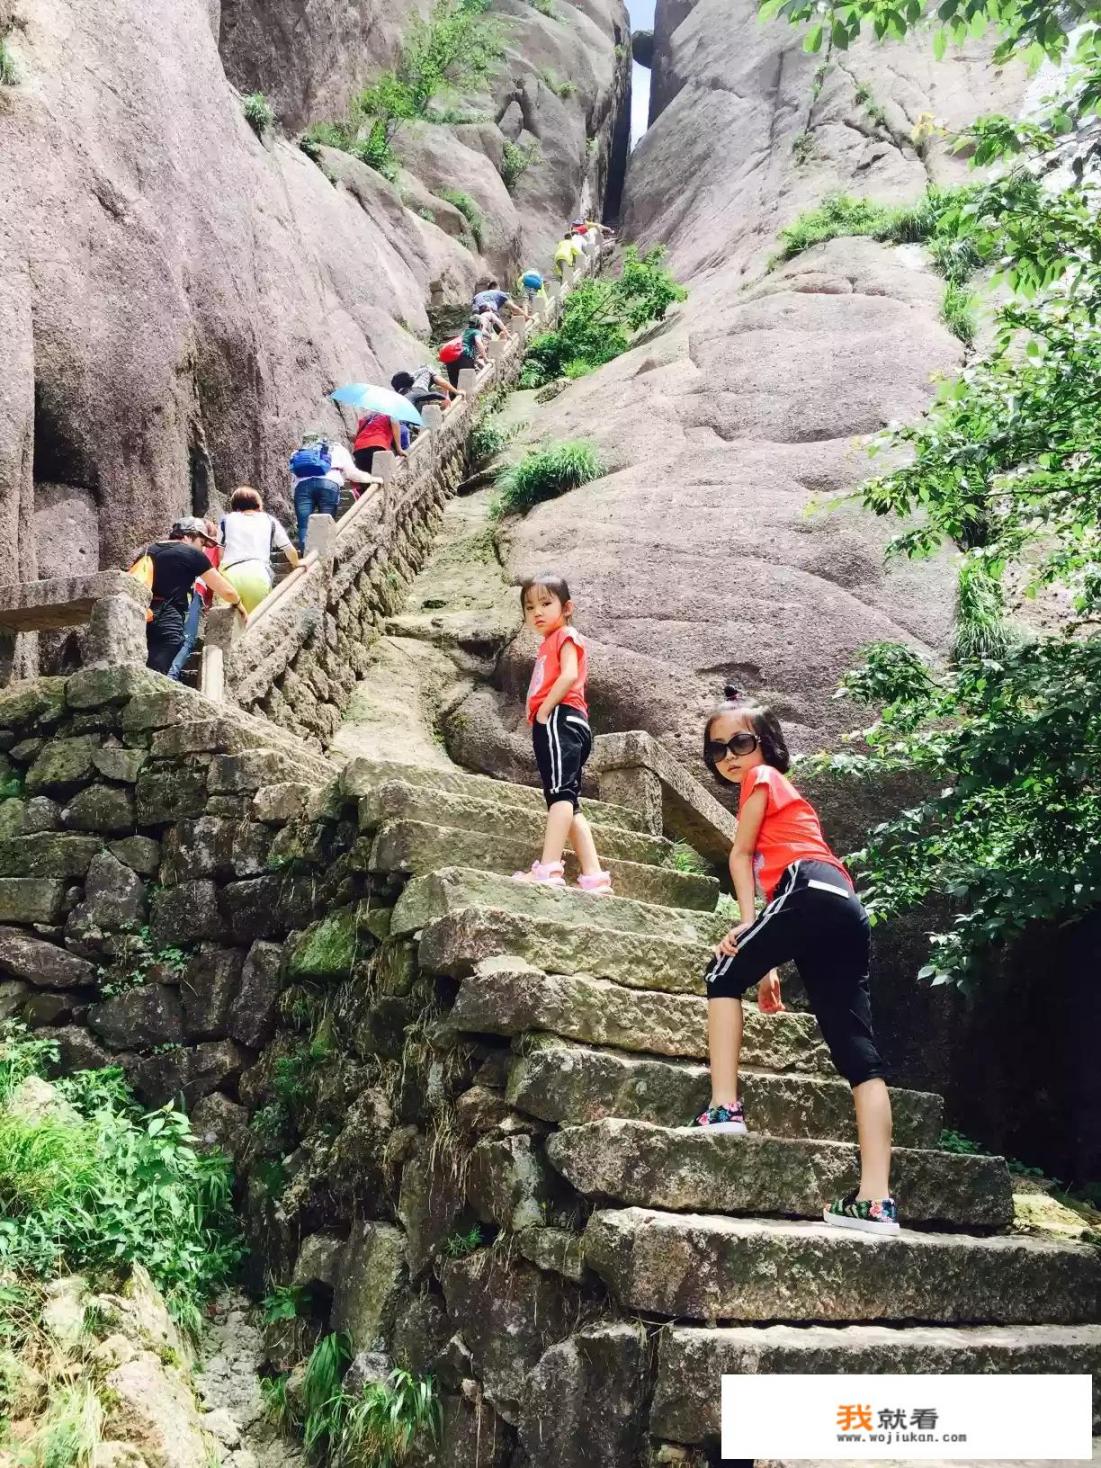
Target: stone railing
(632, 769)
(111, 605)
(303, 650)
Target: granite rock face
(203, 289)
(709, 553)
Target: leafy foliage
(456, 1245)
(258, 113)
(1011, 826)
(284, 1302)
(101, 1184)
(544, 474)
(516, 159)
(382, 1426)
(455, 49)
(10, 74)
(599, 317)
(1004, 466)
(470, 212)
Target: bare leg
(559, 817)
(724, 1044)
(873, 1128)
(581, 839)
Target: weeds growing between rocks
(90, 1182)
(259, 113)
(466, 206)
(544, 474)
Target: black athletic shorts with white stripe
(562, 745)
(815, 920)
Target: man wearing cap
(201, 596)
(178, 562)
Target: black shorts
(562, 745)
(816, 921)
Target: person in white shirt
(318, 470)
(250, 536)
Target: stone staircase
(717, 1238)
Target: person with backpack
(468, 350)
(531, 286)
(170, 568)
(250, 536)
(318, 471)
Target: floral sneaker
(869, 1216)
(722, 1119)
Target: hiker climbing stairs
(719, 1236)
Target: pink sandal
(549, 875)
(599, 882)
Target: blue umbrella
(368, 399)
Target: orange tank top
(548, 666)
(790, 830)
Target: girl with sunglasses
(813, 918)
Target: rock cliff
(179, 295)
(711, 552)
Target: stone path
(719, 1236)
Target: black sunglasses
(741, 743)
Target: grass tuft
(544, 474)
(259, 113)
(466, 206)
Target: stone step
(361, 776)
(455, 889)
(692, 1361)
(509, 997)
(398, 800)
(419, 849)
(569, 1083)
(688, 1171)
(456, 944)
(695, 1266)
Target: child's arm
(561, 685)
(741, 866)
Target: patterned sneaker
(869, 1216)
(598, 882)
(549, 875)
(722, 1119)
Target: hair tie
(731, 693)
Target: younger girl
(812, 917)
(559, 719)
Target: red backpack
(451, 351)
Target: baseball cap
(192, 525)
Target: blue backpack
(312, 461)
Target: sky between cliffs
(641, 13)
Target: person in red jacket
(373, 432)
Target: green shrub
(545, 7)
(599, 317)
(544, 474)
(559, 88)
(802, 148)
(258, 113)
(456, 47)
(958, 312)
(284, 1302)
(684, 858)
(386, 1424)
(951, 1141)
(106, 1185)
(469, 210)
(516, 159)
(486, 441)
(10, 74)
